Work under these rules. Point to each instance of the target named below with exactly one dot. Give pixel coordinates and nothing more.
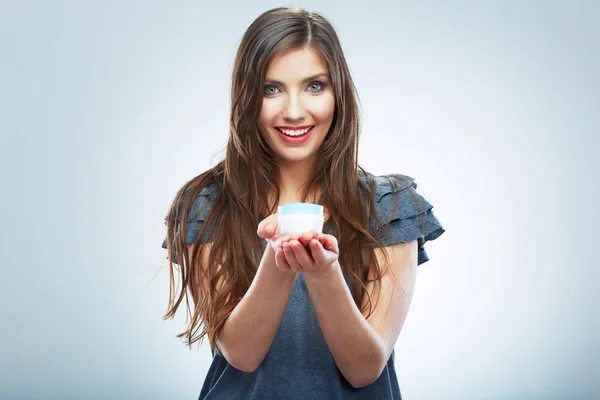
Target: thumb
(266, 231)
(268, 227)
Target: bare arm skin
(360, 347)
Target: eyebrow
(310, 78)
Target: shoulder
(387, 191)
(201, 203)
(190, 214)
(403, 214)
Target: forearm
(248, 332)
(357, 348)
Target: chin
(293, 158)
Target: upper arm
(395, 292)
(407, 222)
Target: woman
(310, 315)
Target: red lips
(294, 128)
(295, 139)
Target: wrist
(325, 273)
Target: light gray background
(108, 108)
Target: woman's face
(298, 106)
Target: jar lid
(300, 208)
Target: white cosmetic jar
(300, 218)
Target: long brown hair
(249, 172)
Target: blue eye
(268, 91)
(320, 86)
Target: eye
(316, 87)
(269, 90)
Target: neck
(292, 178)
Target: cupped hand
(309, 252)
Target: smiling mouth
(295, 132)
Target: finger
(265, 231)
(312, 234)
(327, 241)
(280, 260)
(290, 257)
(333, 244)
(305, 238)
(302, 255)
(271, 220)
(317, 251)
(280, 240)
(322, 239)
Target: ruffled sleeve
(411, 219)
(196, 216)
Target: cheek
(323, 107)
(268, 112)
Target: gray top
(299, 364)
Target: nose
(293, 109)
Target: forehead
(296, 65)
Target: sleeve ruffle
(196, 216)
(412, 219)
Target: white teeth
(294, 132)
